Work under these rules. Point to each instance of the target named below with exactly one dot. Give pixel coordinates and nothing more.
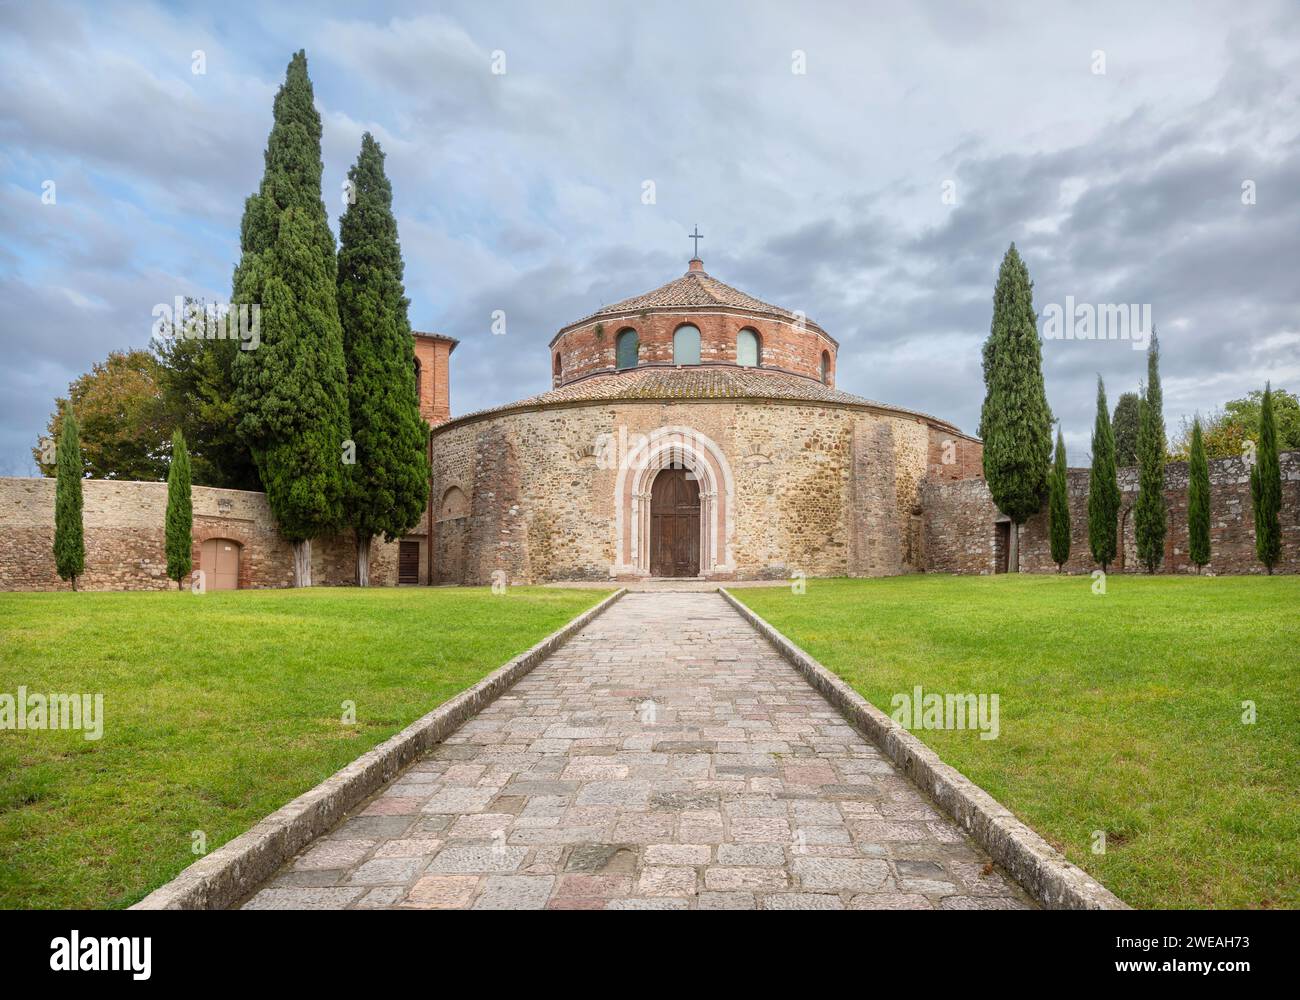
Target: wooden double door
(219, 560)
(675, 524)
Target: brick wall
(960, 535)
(591, 347)
(125, 547)
(433, 352)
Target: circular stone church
(693, 431)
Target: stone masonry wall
(818, 489)
(954, 456)
(125, 547)
(961, 534)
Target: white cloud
(819, 192)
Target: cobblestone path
(665, 758)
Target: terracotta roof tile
(696, 382)
(695, 289)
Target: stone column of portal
(641, 532)
(708, 532)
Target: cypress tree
(1103, 487)
(1015, 422)
(292, 390)
(1149, 512)
(180, 513)
(390, 481)
(1125, 423)
(1266, 487)
(69, 534)
(1198, 501)
(1058, 507)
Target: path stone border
(238, 867)
(1031, 861)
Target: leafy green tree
(292, 390)
(1103, 487)
(1286, 414)
(1198, 501)
(120, 421)
(1125, 424)
(69, 533)
(197, 386)
(180, 513)
(1266, 487)
(1058, 507)
(1015, 422)
(1150, 515)
(389, 486)
(1227, 431)
(127, 403)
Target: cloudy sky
(1112, 144)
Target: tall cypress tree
(1103, 487)
(1125, 423)
(1150, 520)
(69, 534)
(292, 390)
(1016, 422)
(1266, 487)
(1058, 506)
(180, 513)
(390, 482)
(1198, 501)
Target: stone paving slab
(666, 757)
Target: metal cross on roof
(696, 237)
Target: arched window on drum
(686, 345)
(627, 348)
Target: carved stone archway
(666, 447)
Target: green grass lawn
(218, 710)
(1120, 712)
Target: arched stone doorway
(680, 448)
(675, 523)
